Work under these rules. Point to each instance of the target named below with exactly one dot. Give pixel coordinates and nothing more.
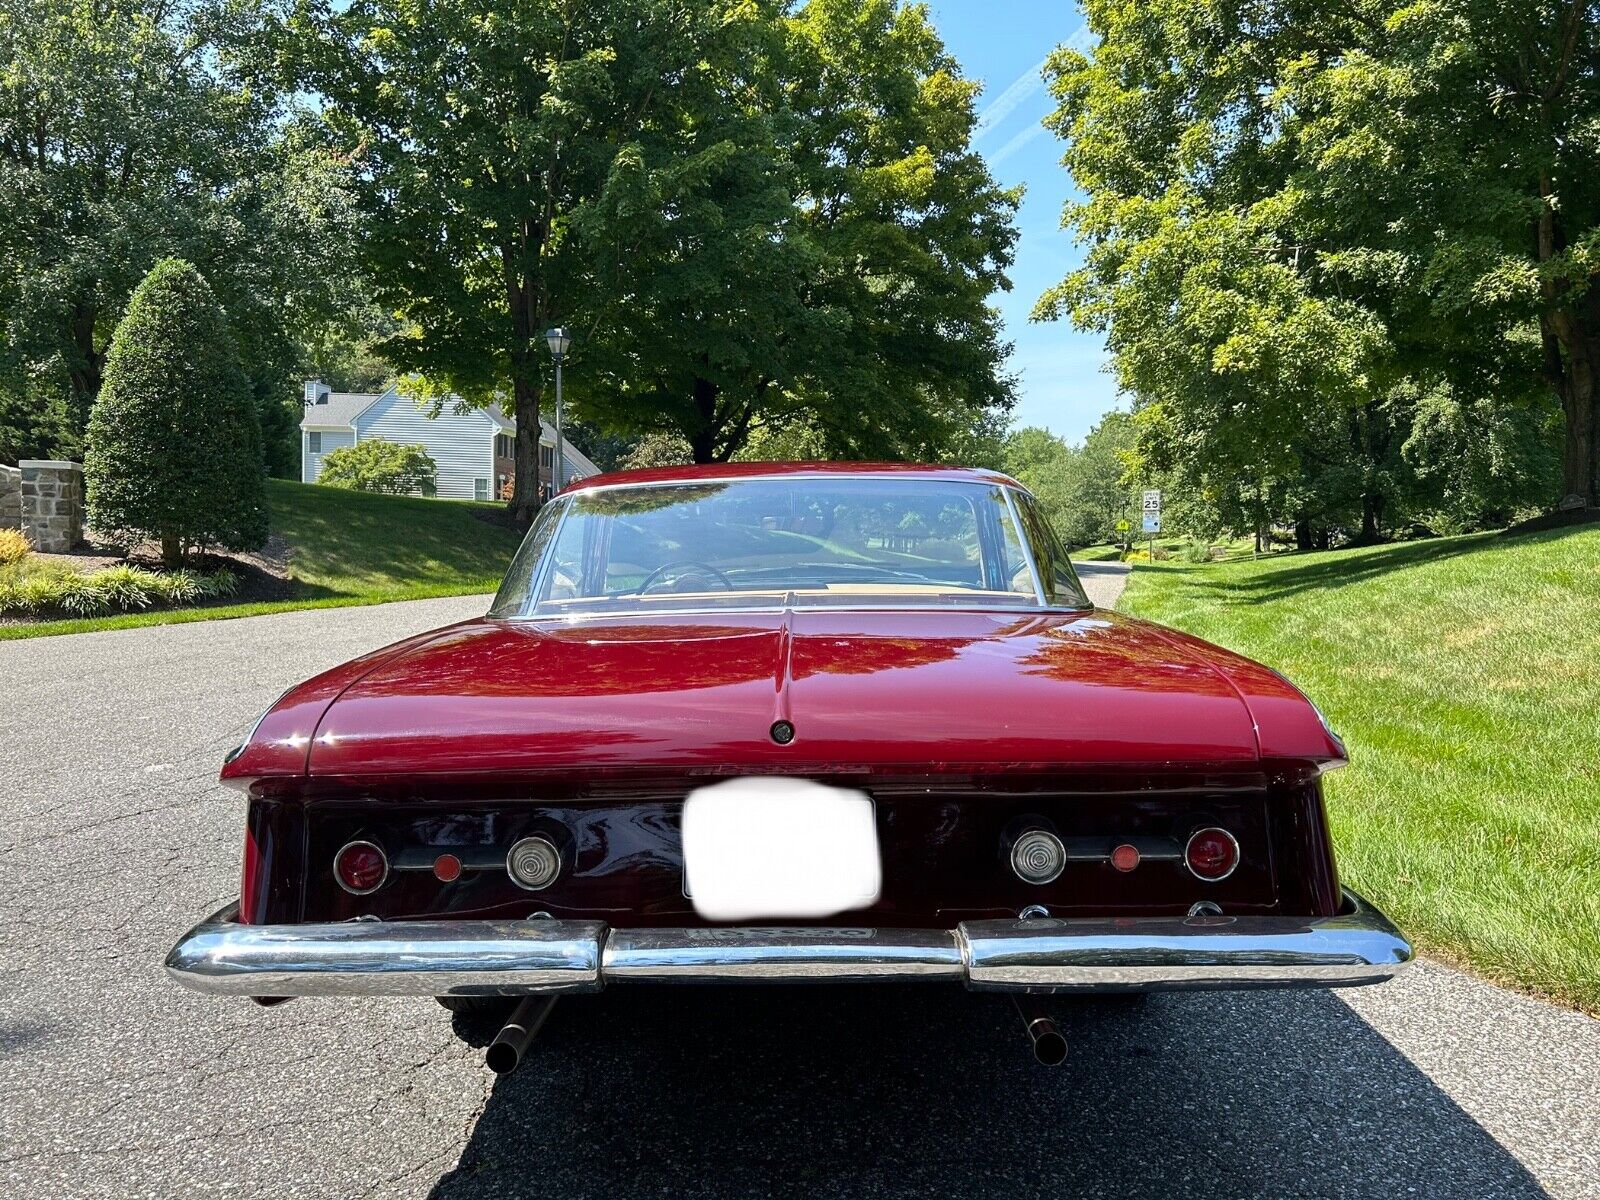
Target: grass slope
(1464, 674)
(351, 548)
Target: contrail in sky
(1021, 90)
(1016, 143)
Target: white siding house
(470, 449)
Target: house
(473, 450)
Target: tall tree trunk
(525, 497)
(1579, 387)
(1572, 361)
(84, 372)
(1372, 507)
(703, 439)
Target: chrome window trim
(1027, 547)
(1010, 489)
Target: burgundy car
(788, 723)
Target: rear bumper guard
(1046, 954)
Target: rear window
(795, 540)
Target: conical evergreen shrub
(174, 440)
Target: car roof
(706, 472)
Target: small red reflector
(1212, 854)
(446, 867)
(1125, 857)
(360, 867)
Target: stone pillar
(10, 498)
(52, 504)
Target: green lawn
(1464, 674)
(351, 548)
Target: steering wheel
(705, 569)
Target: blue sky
(1002, 43)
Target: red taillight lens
(1125, 857)
(360, 867)
(1211, 854)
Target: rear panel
(944, 843)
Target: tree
(806, 237)
(479, 130)
(174, 443)
(1302, 217)
(127, 133)
(1083, 490)
(375, 465)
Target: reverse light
(1038, 856)
(533, 863)
(360, 867)
(1212, 854)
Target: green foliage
(1083, 490)
(1464, 673)
(379, 466)
(50, 590)
(1337, 249)
(755, 217)
(806, 237)
(658, 450)
(174, 444)
(13, 547)
(129, 132)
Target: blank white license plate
(773, 847)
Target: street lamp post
(558, 341)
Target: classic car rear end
(1057, 798)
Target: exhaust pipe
(1049, 1043)
(512, 1042)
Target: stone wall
(10, 498)
(52, 504)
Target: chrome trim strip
(1042, 954)
(777, 955)
(1027, 549)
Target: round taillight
(1125, 857)
(360, 867)
(447, 868)
(1038, 856)
(533, 863)
(1212, 854)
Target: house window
(547, 455)
(504, 447)
(314, 443)
(480, 487)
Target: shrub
(13, 547)
(53, 589)
(174, 439)
(379, 466)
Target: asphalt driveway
(114, 838)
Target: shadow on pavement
(926, 1091)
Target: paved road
(113, 1082)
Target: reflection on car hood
(933, 691)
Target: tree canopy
(1344, 254)
(128, 131)
(748, 212)
(808, 238)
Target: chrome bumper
(507, 958)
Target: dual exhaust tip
(511, 1044)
